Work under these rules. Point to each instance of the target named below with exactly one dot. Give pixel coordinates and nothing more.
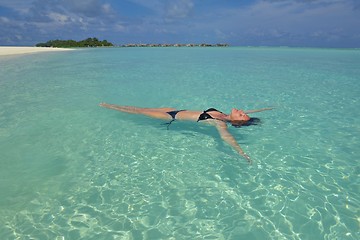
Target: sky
(299, 23)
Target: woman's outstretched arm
(258, 110)
(228, 138)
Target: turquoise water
(72, 170)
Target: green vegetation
(89, 42)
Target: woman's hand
(244, 155)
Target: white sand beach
(5, 51)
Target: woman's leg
(151, 112)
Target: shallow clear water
(72, 170)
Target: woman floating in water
(211, 116)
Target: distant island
(89, 42)
(176, 45)
(94, 42)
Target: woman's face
(238, 115)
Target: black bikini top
(205, 114)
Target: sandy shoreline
(6, 51)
